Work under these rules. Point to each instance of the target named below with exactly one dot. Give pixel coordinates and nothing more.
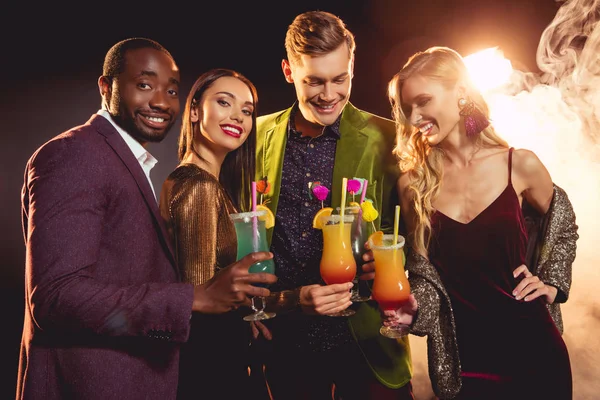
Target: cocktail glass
(358, 237)
(390, 287)
(337, 261)
(252, 237)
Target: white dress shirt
(146, 160)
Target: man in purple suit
(105, 310)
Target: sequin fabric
(557, 251)
(196, 210)
(435, 317)
(296, 245)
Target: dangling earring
(475, 121)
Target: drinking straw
(396, 223)
(364, 191)
(343, 205)
(362, 199)
(254, 219)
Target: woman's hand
(404, 315)
(531, 287)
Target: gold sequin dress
(196, 209)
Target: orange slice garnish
(376, 238)
(323, 212)
(269, 218)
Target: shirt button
(308, 174)
(306, 203)
(312, 146)
(304, 234)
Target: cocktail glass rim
(335, 219)
(388, 237)
(246, 216)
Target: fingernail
(514, 292)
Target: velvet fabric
(494, 331)
(105, 310)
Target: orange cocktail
(337, 262)
(390, 286)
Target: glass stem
(255, 300)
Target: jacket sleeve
(194, 218)
(436, 321)
(559, 245)
(71, 287)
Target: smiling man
(323, 138)
(106, 311)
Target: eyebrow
(154, 74)
(317, 78)
(250, 103)
(419, 97)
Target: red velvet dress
(508, 349)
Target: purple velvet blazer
(105, 310)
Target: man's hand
(323, 300)
(233, 286)
(258, 328)
(368, 268)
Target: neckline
(482, 211)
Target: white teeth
(155, 119)
(232, 130)
(425, 128)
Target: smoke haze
(556, 114)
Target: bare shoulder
(526, 163)
(532, 179)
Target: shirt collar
(139, 152)
(332, 130)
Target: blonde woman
(483, 307)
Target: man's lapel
(350, 150)
(117, 143)
(271, 150)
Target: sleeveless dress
(508, 349)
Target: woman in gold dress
(216, 154)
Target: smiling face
(431, 107)
(223, 116)
(144, 98)
(323, 84)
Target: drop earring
(475, 121)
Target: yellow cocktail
(390, 286)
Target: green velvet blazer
(364, 150)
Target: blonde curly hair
(424, 163)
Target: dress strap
(510, 151)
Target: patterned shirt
(296, 245)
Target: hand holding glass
(337, 261)
(390, 286)
(252, 237)
(358, 238)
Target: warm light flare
(488, 68)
